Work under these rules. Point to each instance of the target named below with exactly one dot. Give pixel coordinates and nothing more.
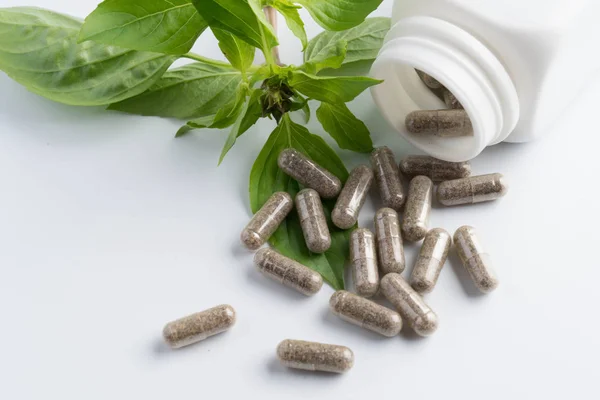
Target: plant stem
(271, 14)
(198, 57)
(206, 60)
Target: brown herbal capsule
(409, 304)
(431, 259)
(475, 189)
(451, 100)
(313, 356)
(429, 81)
(436, 170)
(389, 241)
(365, 313)
(364, 262)
(475, 259)
(309, 173)
(199, 326)
(352, 197)
(312, 220)
(288, 272)
(418, 208)
(266, 221)
(387, 177)
(442, 123)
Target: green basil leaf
(194, 90)
(243, 18)
(337, 89)
(162, 26)
(292, 18)
(197, 123)
(333, 58)
(39, 49)
(239, 53)
(250, 113)
(266, 178)
(349, 132)
(227, 115)
(337, 15)
(364, 42)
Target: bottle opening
(462, 65)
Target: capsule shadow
(333, 320)
(263, 282)
(275, 367)
(463, 276)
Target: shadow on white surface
(274, 367)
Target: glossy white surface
(110, 228)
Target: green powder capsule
(431, 260)
(266, 221)
(199, 326)
(417, 209)
(409, 304)
(309, 173)
(313, 356)
(287, 271)
(365, 313)
(475, 259)
(312, 220)
(441, 123)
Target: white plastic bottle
(513, 64)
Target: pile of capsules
(372, 255)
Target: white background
(109, 228)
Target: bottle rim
(463, 65)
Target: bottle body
(514, 66)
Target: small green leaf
(228, 114)
(338, 89)
(266, 178)
(194, 90)
(364, 42)
(337, 15)
(333, 58)
(39, 49)
(239, 53)
(349, 132)
(162, 26)
(292, 18)
(243, 18)
(250, 113)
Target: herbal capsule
(389, 241)
(365, 313)
(387, 177)
(429, 81)
(266, 221)
(409, 303)
(364, 262)
(288, 272)
(313, 356)
(436, 170)
(475, 259)
(312, 220)
(451, 100)
(430, 261)
(352, 197)
(475, 189)
(442, 123)
(199, 326)
(309, 173)
(418, 208)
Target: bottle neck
(459, 62)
